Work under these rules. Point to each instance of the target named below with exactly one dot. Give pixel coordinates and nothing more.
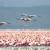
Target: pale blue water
(9, 15)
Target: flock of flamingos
(24, 37)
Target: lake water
(9, 15)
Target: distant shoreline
(24, 29)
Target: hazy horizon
(23, 3)
(32, 6)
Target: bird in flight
(24, 19)
(2, 23)
(29, 16)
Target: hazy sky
(24, 3)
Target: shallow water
(9, 14)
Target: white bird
(25, 19)
(29, 16)
(1, 23)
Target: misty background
(23, 3)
